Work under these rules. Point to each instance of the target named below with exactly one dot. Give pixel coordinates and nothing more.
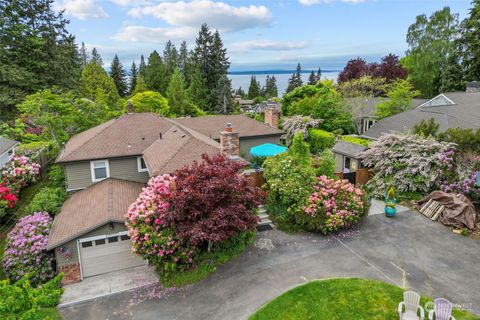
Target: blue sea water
(242, 79)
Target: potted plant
(390, 202)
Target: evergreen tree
(140, 86)
(319, 74)
(253, 88)
(133, 78)
(155, 78)
(295, 80)
(96, 57)
(198, 90)
(83, 55)
(312, 79)
(202, 52)
(142, 66)
(36, 51)
(219, 60)
(271, 90)
(470, 41)
(119, 76)
(223, 96)
(178, 98)
(240, 92)
(451, 76)
(185, 63)
(96, 85)
(170, 58)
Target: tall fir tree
(170, 59)
(319, 74)
(142, 66)
(96, 85)
(198, 90)
(451, 77)
(83, 55)
(312, 78)
(185, 63)
(295, 80)
(119, 76)
(133, 78)
(202, 52)
(155, 77)
(36, 51)
(271, 90)
(253, 88)
(222, 94)
(96, 57)
(219, 59)
(178, 98)
(470, 41)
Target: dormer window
(142, 166)
(100, 170)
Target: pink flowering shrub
(7, 199)
(334, 205)
(19, 172)
(25, 249)
(151, 237)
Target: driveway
(409, 251)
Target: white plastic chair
(442, 310)
(411, 302)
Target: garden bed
(340, 299)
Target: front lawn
(340, 299)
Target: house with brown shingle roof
(107, 166)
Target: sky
(258, 34)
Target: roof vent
(174, 130)
(184, 135)
(161, 136)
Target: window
(124, 237)
(112, 239)
(99, 242)
(87, 244)
(346, 164)
(142, 166)
(100, 170)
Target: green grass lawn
(340, 299)
(48, 313)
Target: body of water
(242, 79)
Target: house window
(87, 244)
(142, 166)
(100, 170)
(346, 164)
(99, 242)
(112, 239)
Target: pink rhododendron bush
(183, 221)
(7, 199)
(25, 249)
(334, 205)
(19, 172)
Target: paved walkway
(107, 284)
(408, 250)
(378, 207)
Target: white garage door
(104, 254)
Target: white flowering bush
(409, 163)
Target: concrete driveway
(409, 251)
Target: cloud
(130, 3)
(312, 2)
(153, 35)
(218, 15)
(82, 9)
(266, 45)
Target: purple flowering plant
(25, 249)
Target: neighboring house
(450, 110)
(108, 165)
(347, 156)
(364, 109)
(7, 150)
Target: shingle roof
(464, 113)
(366, 107)
(6, 144)
(127, 135)
(178, 147)
(212, 125)
(104, 202)
(348, 149)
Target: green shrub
(326, 164)
(21, 301)
(258, 161)
(57, 175)
(320, 140)
(48, 199)
(356, 140)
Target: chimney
(272, 116)
(473, 86)
(229, 141)
(129, 107)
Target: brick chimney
(129, 107)
(229, 141)
(473, 86)
(272, 116)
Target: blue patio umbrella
(267, 150)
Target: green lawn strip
(340, 299)
(48, 314)
(26, 195)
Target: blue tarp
(267, 150)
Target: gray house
(347, 156)
(450, 110)
(7, 150)
(106, 168)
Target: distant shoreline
(254, 72)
